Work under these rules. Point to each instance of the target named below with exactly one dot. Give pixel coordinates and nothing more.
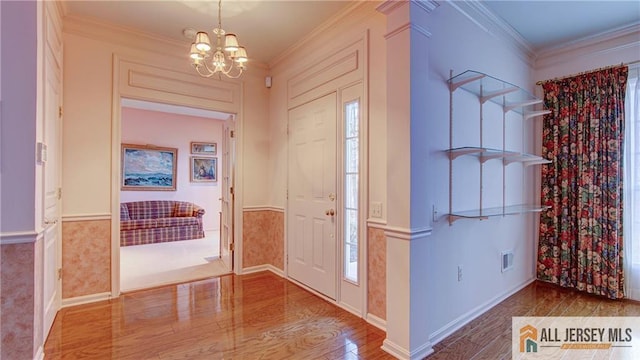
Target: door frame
(122, 70)
(363, 200)
(352, 54)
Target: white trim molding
(376, 321)
(18, 237)
(263, 208)
(407, 234)
(40, 352)
(86, 299)
(260, 268)
(376, 223)
(86, 217)
(487, 21)
(397, 351)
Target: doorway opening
(198, 138)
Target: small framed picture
(203, 148)
(204, 169)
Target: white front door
(312, 210)
(50, 158)
(226, 175)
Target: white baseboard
(39, 354)
(402, 353)
(376, 321)
(259, 268)
(349, 308)
(86, 299)
(463, 320)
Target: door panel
(50, 156)
(226, 216)
(311, 232)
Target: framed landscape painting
(204, 169)
(146, 167)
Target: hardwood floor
(489, 335)
(262, 316)
(256, 316)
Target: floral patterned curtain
(580, 243)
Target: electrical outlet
(376, 209)
(459, 273)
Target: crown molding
(388, 6)
(486, 20)
(426, 5)
(130, 37)
(322, 28)
(607, 41)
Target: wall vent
(507, 260)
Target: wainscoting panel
(377, 276)
(86, 258)
(263, 238)
(17, 327)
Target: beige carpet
(151, 265)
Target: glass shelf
(489, 88)
(484, 214)
(485, 154)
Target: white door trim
(123, 69)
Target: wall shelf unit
(509, 98)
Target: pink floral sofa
(155, 221)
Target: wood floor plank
(263, 316)
(255, 316)
(537, 299)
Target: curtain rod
(586, 72)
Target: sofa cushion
(151, 209)
(183, 209)
(176, 221)
(138, 224)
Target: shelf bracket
(530, 114)
(453, 86)
(491, 95)
(454, 153)
(510, 107)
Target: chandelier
(227, 58)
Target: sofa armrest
(198, 211)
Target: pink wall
(177, 131)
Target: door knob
(330, 212)
(50, 222)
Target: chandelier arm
(208, 74)
(217, 64)
(227, 72)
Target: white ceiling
(264, 27)
(546, 24)
(268, 27)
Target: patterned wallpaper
(86, 257)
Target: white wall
(458, 44)
(143, 127)
(20, 72)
